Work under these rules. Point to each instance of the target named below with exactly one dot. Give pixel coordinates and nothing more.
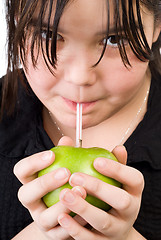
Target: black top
(23, 134)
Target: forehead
(74, 10)
(85, 14)
(78, 14)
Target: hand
(34, 189)
(117, 224)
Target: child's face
(104, 89)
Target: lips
(73, 105)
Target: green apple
(78, 160)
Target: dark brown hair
(20, 16)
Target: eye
(112, 41)
(48, 34)
(59, 37)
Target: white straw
(79, 126)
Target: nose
(80, 72)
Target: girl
(105, 55)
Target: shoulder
(144, 144)
(144, 150)
(155, 94)
(17, 132)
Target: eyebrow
(45, 25)
(103, 32)
(113, 30)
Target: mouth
(73, 105)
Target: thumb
(120, 153)
(65, 140)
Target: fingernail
(61, 174)
(47, 155)
(77, 191)
(121, 146)
(100, 162)
(76, 179)
(68, 196)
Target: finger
(106, 192)
(61, 233)
(41, 186)
(120, 153)
(67, 141)
(26, 169)
(46, 220)
(74, 229)
(131, 178)
(97, 218)
(49, 224)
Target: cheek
(121, 80)
(39, 78)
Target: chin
(89, 124)
(87, 121)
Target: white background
(3, 59)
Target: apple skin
(78, 160)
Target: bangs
(129, 26)
(35, 16)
